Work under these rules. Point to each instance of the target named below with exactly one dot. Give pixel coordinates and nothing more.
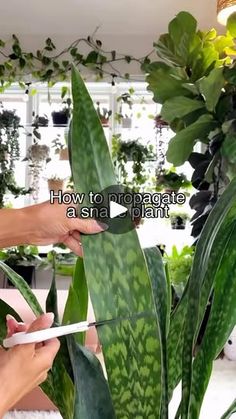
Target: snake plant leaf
(160, 293)
(230, 411)
(207, 263)
(51, 301)
(77, 302)
(92, 395)
(117, 277)
(220, 324)
(4, 310)
(23, 287)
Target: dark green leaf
(23, 287)
(92, 398)
(179, 106)
(76, 309)
(230, 411)
(181, 145)
(211, 87)
(51, 301)
(4, 310)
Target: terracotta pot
(104, 121)
(64, 154)
(56, 185)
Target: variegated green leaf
(92, 399)
(23, 287)
(160, 293)
(230, 410)
(77, 301)
(117, 277)
(207, 262)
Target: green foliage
(195, 83)
(179, 267)
(169, 179)
(20, 255)
(131, 343)
(9, 154)
(135, 152)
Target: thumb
(43, 322)
(89, 226)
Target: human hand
(24, 367)
(49, 225)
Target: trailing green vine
(50, 65)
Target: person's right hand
(24, 367)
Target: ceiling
(128, 26)
(77, 17)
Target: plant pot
(60, 118)
(64, 154)
(126, 123)
(178, 223)
(104, 122)
(26, 271)
(56, 185)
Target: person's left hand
(50, 225)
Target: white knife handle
(23, 338)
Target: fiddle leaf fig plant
(195, 83)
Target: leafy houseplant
(9, 154)
(61, 118)
(179, 266)
(178, 220)
(171, 181)
(195, 83)
(23, 259)
(104, 115)
(135, 152)
(121, 117)
(147, 351)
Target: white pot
(126, 122)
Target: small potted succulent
(178, 220)
(61, 117)
(23, 260)
(104, 115)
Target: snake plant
(147, 349)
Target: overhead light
(225, 8)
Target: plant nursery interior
(118, 209)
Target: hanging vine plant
(50, 65)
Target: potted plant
(40, 121)
(135, 152)
(104, 115)
(61, 117)
(23, 260)
(170, 181)
(38, 155)
(179, 267)
(9, 154)
(178, 220)
(125, 99)
(56, 183)
(160, 123)
(60, 148)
